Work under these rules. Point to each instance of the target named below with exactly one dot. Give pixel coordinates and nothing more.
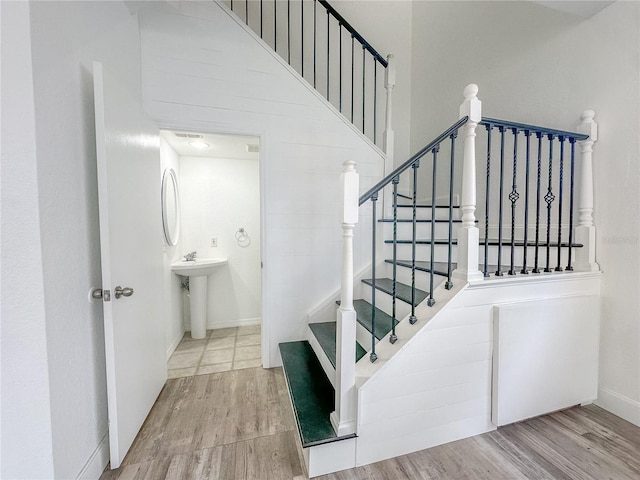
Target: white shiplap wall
(437, 386)
(202, 70)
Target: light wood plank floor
(239, 425)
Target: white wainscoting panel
(545, 356)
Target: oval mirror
(170, 207)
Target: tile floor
(222, 350)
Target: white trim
(241, 322)
(624, 407)
(174, 345)
(97, 461)
(533, 278)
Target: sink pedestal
(198, 304)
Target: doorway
(218, 178)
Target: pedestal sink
(198, 270)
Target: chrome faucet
(190, 257)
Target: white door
(127, 145)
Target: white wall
(26, 449)
(540, 66)
(174, 327)
(67, 225)
(203, 71)
(220, 196)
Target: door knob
(123, 292)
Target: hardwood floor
(239, 425)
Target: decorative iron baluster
(375, 97)
(289, 32)
(487, 203)
(449, 284)
(301, 38)
(246, 12)
(373, 357)
(261, 17)
(315, 40)
(513, 198)
(340, 69)
(537, 249)
(412, 318)
(527, 134)
(431, 301)
(572, 141)
(353, 62)
(393, 338)
(560, 182)
(499, 271)
(549, 198)
(275, 26)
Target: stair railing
(328, 52)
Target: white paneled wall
(204, 71)
(437, 387)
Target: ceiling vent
(252, 148)
(187, 135)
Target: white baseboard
(174, 345)
(97, 461)
(623, 407)
(240, 322)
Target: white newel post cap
(350, 193)
(471, 107)
(588, 125)
(391, 69)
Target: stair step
(403, 291)
(383, 320)
(410, 205)
(325, 333)
(420, 220)
(440, 268)
(312, 396)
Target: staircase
(417, 350)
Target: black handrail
(532, 128)
(353, 32)
(417, 156)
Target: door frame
(264, 324)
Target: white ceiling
(582, 8)
(220, 145)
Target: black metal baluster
(289, 32)
(499, 271)
(560, 182)
(431, 301)
(449, 284)
(340, 68)
(232, 5)
(315, 41)
(513, 198)
(246, 12)
(572, 141)
(537, 249)
(375, 97)
(275, 26)
(549, 198)
(373, 357)
(395, 182)
(527, 134)
(412, 318)
(261, 17)
(302, 38)
(487, 203)
(363, 87)
(328, 57)
(353, 62)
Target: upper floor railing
(328, 52)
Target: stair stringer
(438, 384)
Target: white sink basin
(199, 267)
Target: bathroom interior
(212, 263)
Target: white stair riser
(383, 302)
(423, 230)
(425, 213)
(363, 337)
(403, 275)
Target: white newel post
(586, 231)
(468, 233)
(343, 418)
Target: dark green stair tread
(504, 243)
(440, 268)
(325, 333)
(311, 392)
(403, 292)
(383, 321)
